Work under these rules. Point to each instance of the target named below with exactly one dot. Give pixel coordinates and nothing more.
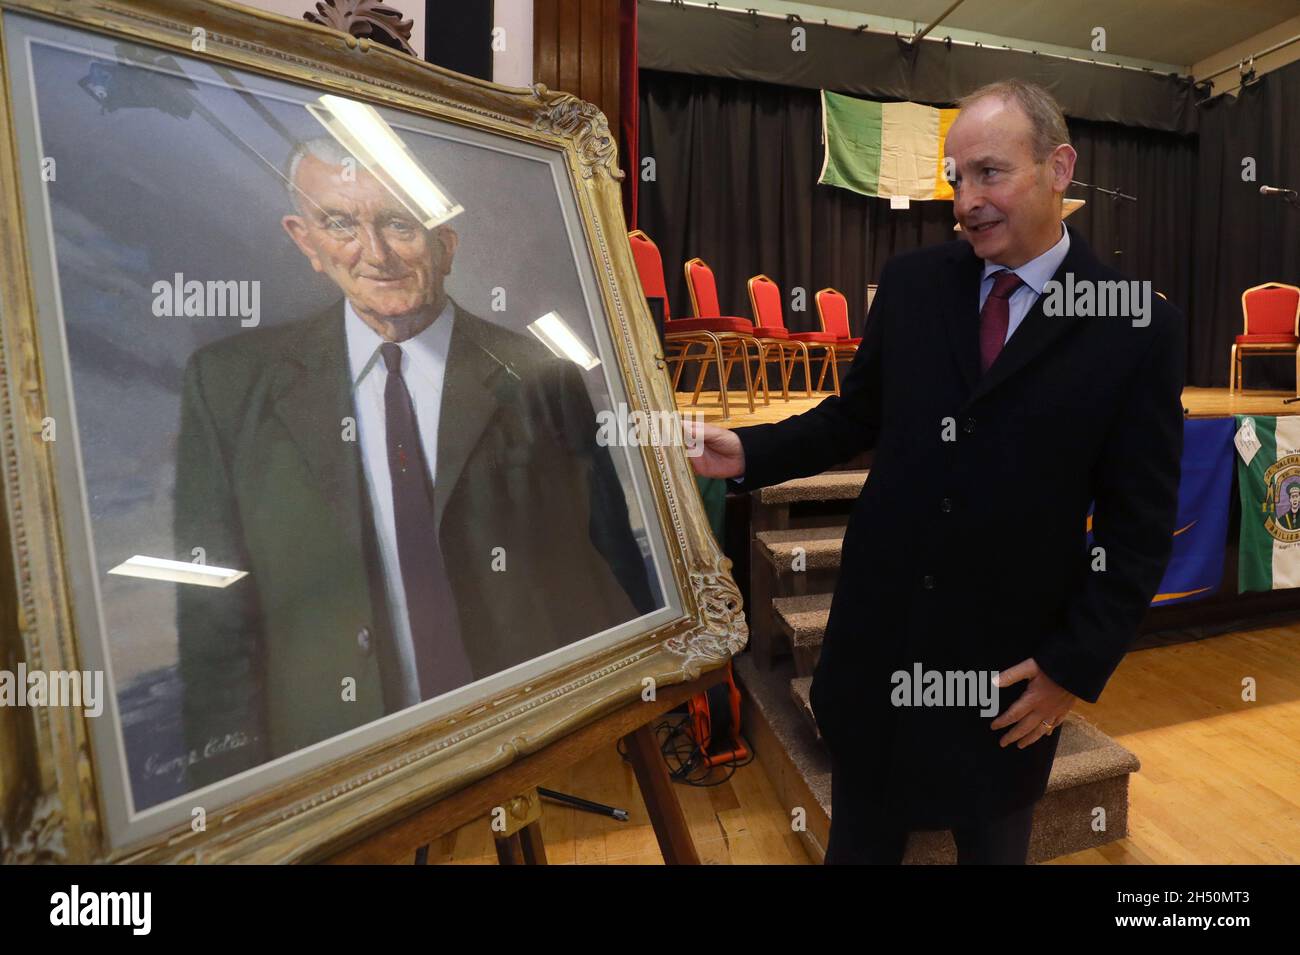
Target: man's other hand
(1044, 700)
(714, 452)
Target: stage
(1199, 402)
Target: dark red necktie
(441, 662)
(995, 316)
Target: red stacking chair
(769, 319)
(704, 303)
(833, 309)
(1270, 317)
(722, 341)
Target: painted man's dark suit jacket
(966, 549)
(267, 482)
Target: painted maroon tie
(995, 316)
(441, 661)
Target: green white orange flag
(1268, 473)
(885, 149)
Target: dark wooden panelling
(576, 49)
(545, 41)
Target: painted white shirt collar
(426, 353)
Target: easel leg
(530, 839)
(510, 850)
(660, 800)
(519, 841)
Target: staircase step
(800, 687)
(828, 486)
(821, 547)
(803, 618)
(803, 621)
(1091, 770)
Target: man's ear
(1061, 163)
(447, 238)
(296, 226)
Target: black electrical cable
(686, 760)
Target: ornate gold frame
(50, 804)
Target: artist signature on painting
(176, 766)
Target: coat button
(363, 639)
(945, 505)
(968, 425)
(928, 582)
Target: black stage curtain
(1242, 238)
(735, 182)
(740, 46)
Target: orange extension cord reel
(715, 723)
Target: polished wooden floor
(739, 822)
(1220, 777)
(1219, 784)
(1200, 402)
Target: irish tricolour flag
(885, 149)
(1268, 473)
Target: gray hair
(1044, 113)
(325, 148)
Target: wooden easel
(515, 789)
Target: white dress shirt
(1035, 273)
(424, 360)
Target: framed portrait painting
(320, 499)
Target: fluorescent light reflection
(360, 130)
(177, 571)
(556, 335)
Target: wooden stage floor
(1201, 402)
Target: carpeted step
(799, 690)
(1091, 772)
(829, 486)
(803, 621)
(821, 546)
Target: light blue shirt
(1035, 273)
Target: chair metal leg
(743, 347)
(710, 350)
(762, 371)
(807, 367)
(762, 364)
(735, 351)
(681, 358)
(676, 360)
(787, 368)
(722, 378)
(780, 357)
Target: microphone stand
(1113, 193)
